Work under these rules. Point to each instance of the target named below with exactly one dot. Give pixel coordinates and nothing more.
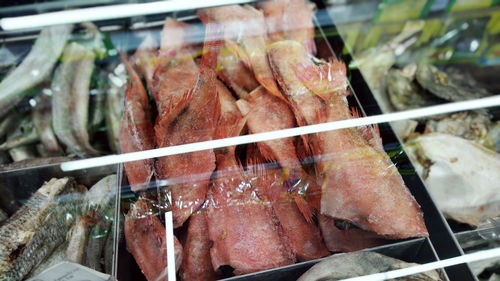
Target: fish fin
(304, 208)
(370, 133)
(172, 112)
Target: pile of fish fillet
(264, 205)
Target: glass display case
(250, 140)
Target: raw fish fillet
(233, 72)
(136, 132)
(304, 237)
(267, 113)
(350, 240)
(196, 263)
(359, 182)
(193, 118)
(245, 35)
(247, 245)
(290, 19)
(176, 72)
(146, 240)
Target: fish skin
(70, 97)
(145, 237)
(196, 263)
(245, 245)
(304, 237)
(36, 67)
(193, 119)
(342, 266)
(234, 74)
(245, 36)
(347, 163)
(35, 230)
(42, 119)
(136, 132)
(267, 113)
(77, 241)
(350, 240)
(290, 20)
(57, 256)
(115, 95)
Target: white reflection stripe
(109, 12)
(355, 122)
(482, 255)
(169, 227)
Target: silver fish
(70, 99)
(34, 231)
(341, 266)
(42, 119)
(36, 67)
(114, 104)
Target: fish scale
(34, 231)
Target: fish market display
(36, 229)
(350, 161)
(462, 177)
(145, 236)
(35, 67)
(344, 266)
(256, 74)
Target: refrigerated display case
(161, 121)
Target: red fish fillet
(355, 239)
(196, 261)
(145, 237)
(267, 113)
(245, 35)
(247, 245)
(232, 71)
(192, 119)
(359, 181)
(290, 19)
(136, 131)
(304, 237)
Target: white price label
(68, 271)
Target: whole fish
(196, 263)
(36, 229)
(42, 119)
(347, 240)
(192, 119)
(245, 35)
(136, 132)
(349, 162)
(70, 99)
(267, 113)
(234, 74)
(342, 266)
(36, 67)
(145, 236)
(245, 245)
(304, 236)
(97, 239)
(117, 81)
(290, 20)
